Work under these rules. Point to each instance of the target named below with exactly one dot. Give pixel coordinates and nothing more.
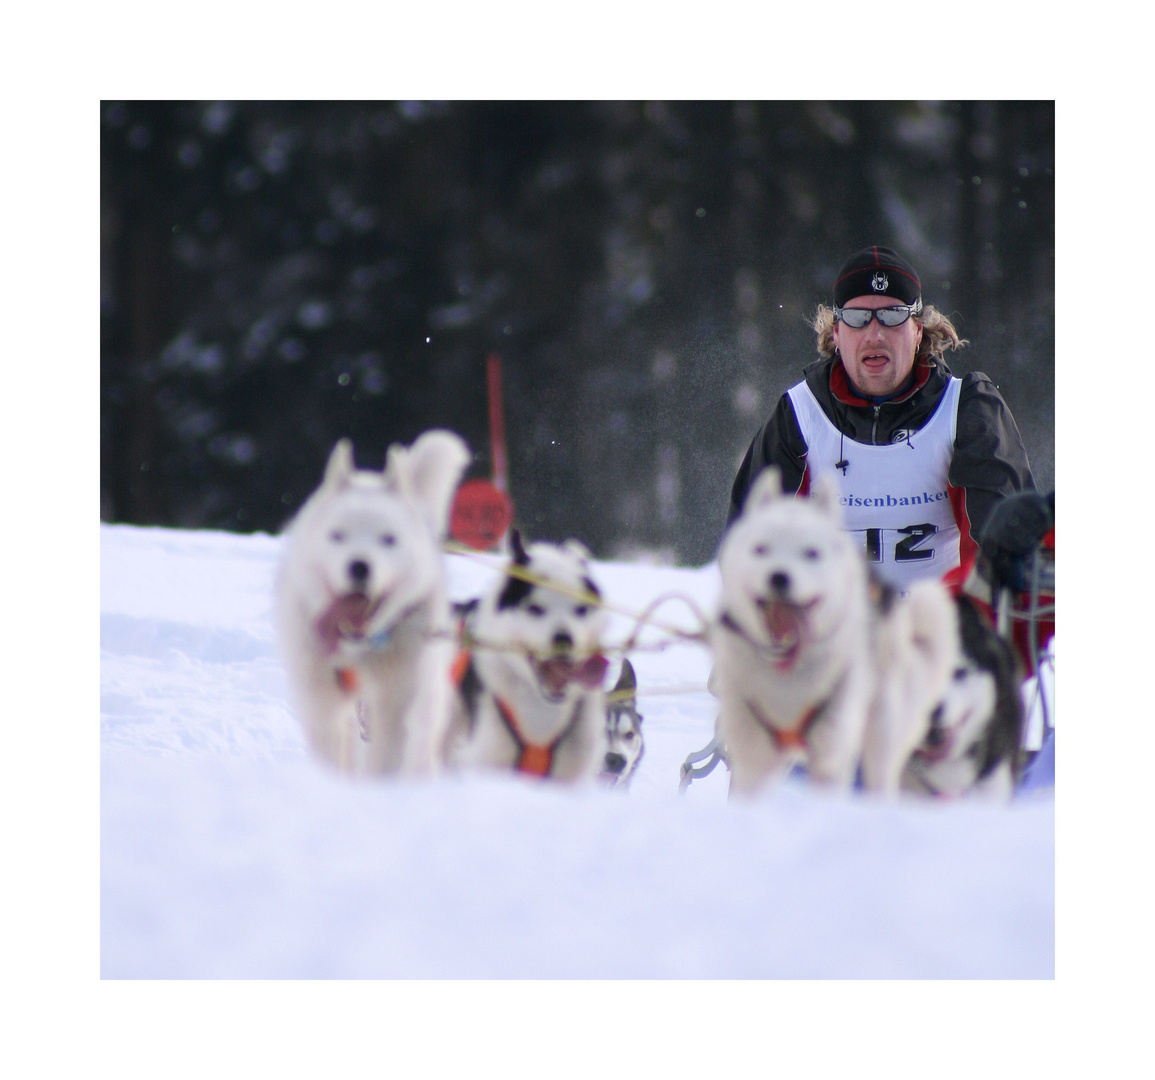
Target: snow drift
(227, 852)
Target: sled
(712, 753)
(1017, 586)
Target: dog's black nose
(359, 571)
(779, 582)
(936, 734)
(562, 640)
(615, 762)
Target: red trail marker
(482, 511)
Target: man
(921, 457)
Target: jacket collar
(842, 390)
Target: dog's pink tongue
(783, 623)
(559, 671)
(347, 616)
(593, 671)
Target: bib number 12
(906, 549)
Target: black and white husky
(973, 732)
(362, 611)
(624, 743)
(530, 675)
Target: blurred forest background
(275, 275)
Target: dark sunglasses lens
(893, 316)
(856, 317)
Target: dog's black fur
(983, 645)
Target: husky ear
(515, 544)
(825, 493)
(627, 680)
(430, 470)
(578, 548)
(766, 488)
(340, 465)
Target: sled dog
(624, 745)
(916, 645)
(362, 612)
(791, 639)
(972, 735)
(530, 676)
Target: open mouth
(785, 622)
(875, 362)
(556, 673)
(347, 618)
(941, 748)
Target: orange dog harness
(534, 759)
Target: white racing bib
(895, 498)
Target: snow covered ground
(226, 852)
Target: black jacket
(989, 459)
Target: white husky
(791, 640)
(362, 612)
(531, 696)
(917, 646)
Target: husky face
(974, 728)
(550, 637)
(365, 547)
(624, 744)
(374, 559)
(787, 565)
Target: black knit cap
(876, 271)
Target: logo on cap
(879, 282)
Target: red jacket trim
(840, 383)
(968, 549)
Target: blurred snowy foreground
(227, 852)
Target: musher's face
(877, 358)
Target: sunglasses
(857, 318)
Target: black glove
(1015, 528)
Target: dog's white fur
(511, 642)
(361, 599)
(916, 648)
(791, 637)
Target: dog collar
(346, 675)
(928, 787)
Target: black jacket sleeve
(989, 461)
(778, 443)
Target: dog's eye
(581, 611)
(337, 536)
(535, 609)
(812, 553)
(387, 540)
(761, 549)
(959, 674)
(629, 736)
